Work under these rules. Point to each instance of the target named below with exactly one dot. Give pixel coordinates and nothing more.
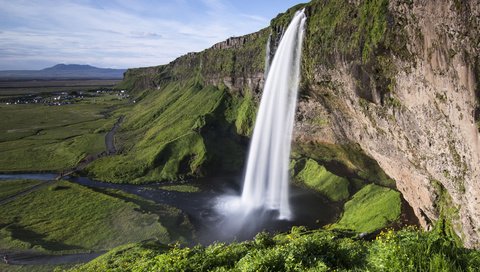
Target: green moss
(44, 155)
(354, 31)
(372, 25)
(320, 179)
(118, 168)
(246, 115)
(364, 34)
(449, 213)
(372, 208)
(178, 159)
(282, 20)
(345, 160)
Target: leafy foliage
(299, 250)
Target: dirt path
(34, 258)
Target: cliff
(389, 90)
(409, 99)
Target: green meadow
(11, 187)
(52, 138)
(65, 217)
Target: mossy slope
(181, 130)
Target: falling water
(267, 56)
(266, 176)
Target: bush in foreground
(299, 250)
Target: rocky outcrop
(420, 125)
(236, 42)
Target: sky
(122, 33)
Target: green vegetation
(12, 187)
(172, 134)
(66, 217)
(320, 179)
(345, 161)
(183, 188)
(36, 268)
(354, 31)
(370, 209)
(245, 118)
(449, 212)
(43, 138)
(299, 250)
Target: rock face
(399, 79)
(422, 131)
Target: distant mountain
(64, 71)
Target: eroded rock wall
(422, 130)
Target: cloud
(116, 33)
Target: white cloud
(122, 34)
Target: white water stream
(266, 177)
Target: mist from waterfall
(266, 177)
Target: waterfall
(266, 177)
(267, 56)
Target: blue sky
(122, 33)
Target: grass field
(21, 87)
(11, 187)
(52, 138)
(66, 217)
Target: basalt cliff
(389, 95)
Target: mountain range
(64, 71)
